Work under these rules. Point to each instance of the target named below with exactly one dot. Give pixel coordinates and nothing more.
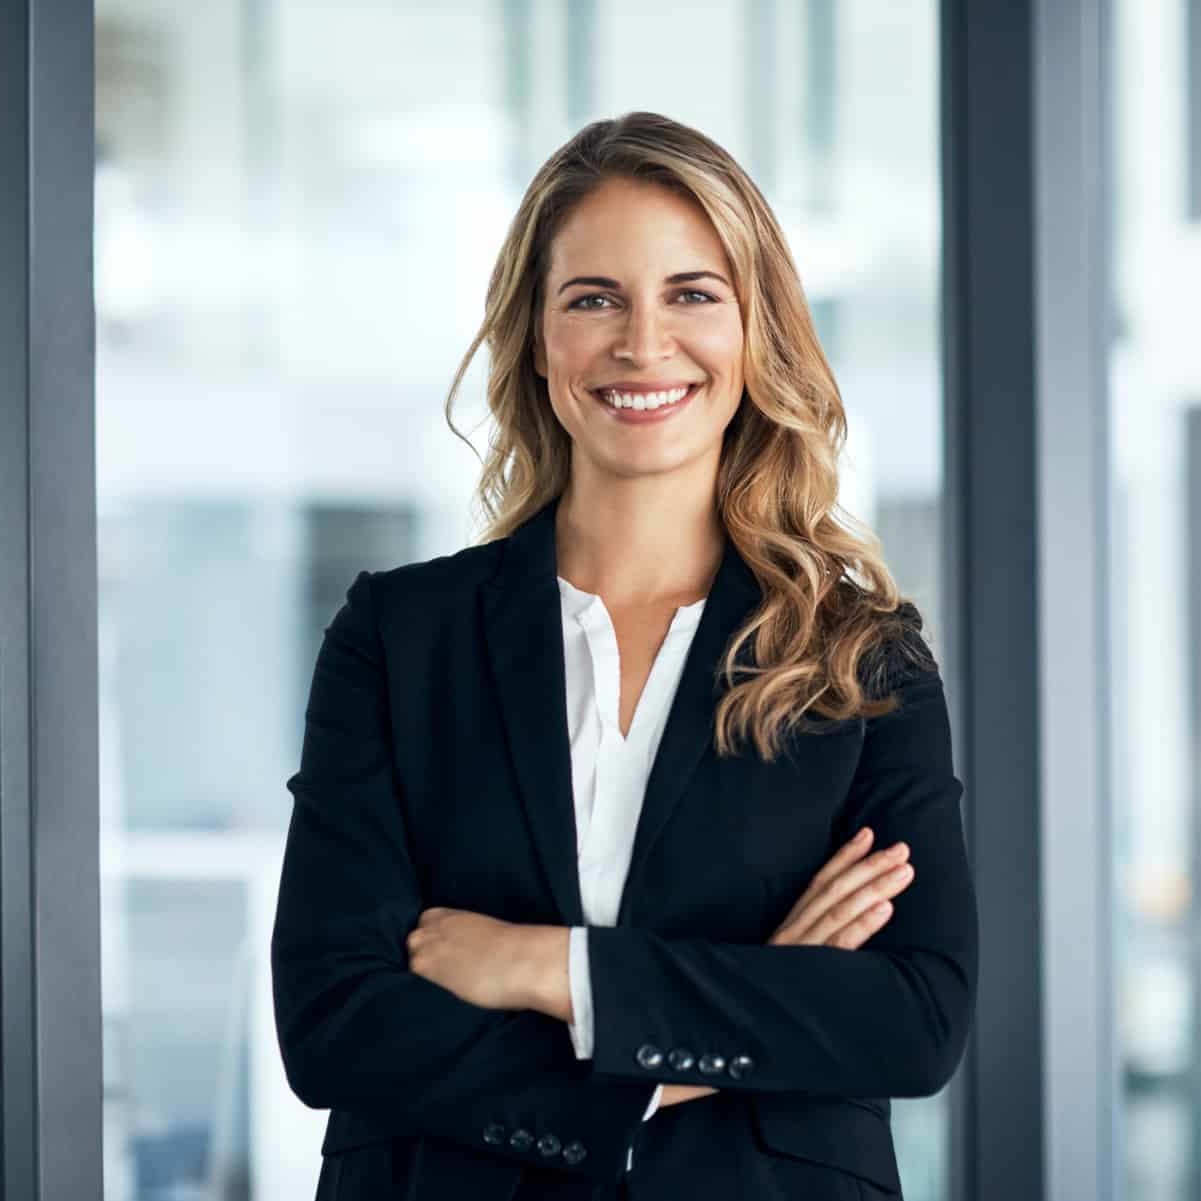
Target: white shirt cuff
(650, 1109)
(580, 985)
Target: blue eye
(578, 302)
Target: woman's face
(619, 315)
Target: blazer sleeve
(580, 989)
(356, 1029)
(890, 1018)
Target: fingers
(852, 936)
(834, 874)
(855, 892)
(833, 901)
(854, 849)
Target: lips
(635, 386)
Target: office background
(295, 209)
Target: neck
(639, 541)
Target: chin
(629, 466)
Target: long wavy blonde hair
(821, 643)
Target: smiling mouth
(651, 402)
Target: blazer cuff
(580, 984)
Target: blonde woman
(626, 856)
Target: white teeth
(643, 400)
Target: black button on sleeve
(574, 1152)
(711, 1063)
(649, 1056)
(548, 1144)
(521, 1140)
(494, 1133)
(741, 1066)
(680, 1059)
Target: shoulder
(442, 580)
(399, 612)
(426, 600)
(898, 651)
(417, 595)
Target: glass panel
(1155, 634)
(297, 209)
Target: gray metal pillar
(50, 1051)
(1026, 299)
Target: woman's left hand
(481, 959)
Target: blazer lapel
(524, 637)
(523, 628)
(689, 728)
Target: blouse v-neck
(589, 610)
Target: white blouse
(609, 772)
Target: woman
(577, 898)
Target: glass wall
(297, 208)
(1155, 385)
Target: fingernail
(861, 837)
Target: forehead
(639, 223)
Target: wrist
(544, 974)
(676, 1094)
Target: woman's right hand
(843, 906)
(850, 899)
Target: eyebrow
(681, 277)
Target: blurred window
(297, 209)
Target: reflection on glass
(297, 207)
(1155, 634)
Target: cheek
(721, 346)
(570, 345)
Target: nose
(644, 337)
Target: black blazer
(436, 770)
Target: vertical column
(991, 645)
(50, 1049)
(1025, 297)
(1073, 479)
